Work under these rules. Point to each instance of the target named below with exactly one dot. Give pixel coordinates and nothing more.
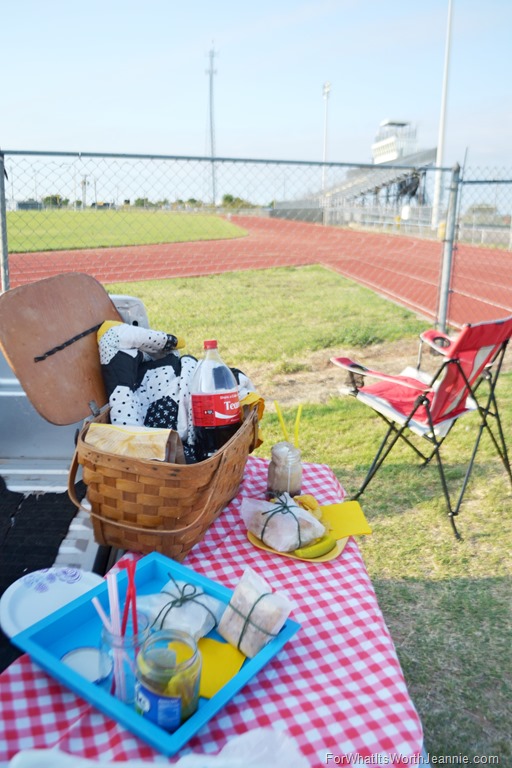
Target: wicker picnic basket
(147, 506)
(47, 333)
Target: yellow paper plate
(332, 555)
(342, 520)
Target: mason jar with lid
(284, 470)
(168, 675)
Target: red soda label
(216, 410)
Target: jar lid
(285, 452)
(89, 662)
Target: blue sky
(112, 76)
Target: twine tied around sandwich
(188, 593)
(283, 507)
(248, 621)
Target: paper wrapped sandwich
(281, 524)
(184, 606)
(254, 614)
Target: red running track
(404, 269)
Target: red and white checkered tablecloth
(336, 688)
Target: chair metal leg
(381, 455)
(452, 513)
(502, 452)
(469, 469)
(424, 459)
(454, 528)
(499, 442)
(491, 410)
(386, 447)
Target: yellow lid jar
(168, 675)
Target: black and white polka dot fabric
(148, 385)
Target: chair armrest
(438, 341)
(362, 370)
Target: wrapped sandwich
(183, 606)
(254, 614)
(281, 524)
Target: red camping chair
(428, 406)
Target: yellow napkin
(254, 400)
(345, 519)
(221, 662)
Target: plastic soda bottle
(216, 411)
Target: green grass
(52, 230)
(272, 316)
(447, 603)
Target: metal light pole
(84, 192)
(325, 94)
(440, 141)
(4, 251)
(449, 239)
(211, 72)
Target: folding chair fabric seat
(396, 403)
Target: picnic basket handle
(73, 469)
(251, 412)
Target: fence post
(448, 248)
(4, 255)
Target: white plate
(39, 593)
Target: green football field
(54, 229)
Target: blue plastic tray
(77, 624)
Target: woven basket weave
(148, 506)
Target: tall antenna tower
(211, 72)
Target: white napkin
(259, 748)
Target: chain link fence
(435, 240)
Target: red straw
(131, 576)
(131, 599)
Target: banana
(318, 547)
(309, 503)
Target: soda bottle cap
(210, 344)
